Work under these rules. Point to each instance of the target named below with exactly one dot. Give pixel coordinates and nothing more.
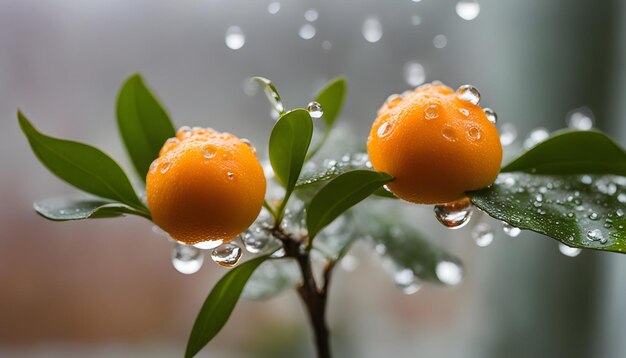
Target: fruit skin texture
(205, 186)
(434, 151)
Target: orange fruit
(205, 186)
(436, 143)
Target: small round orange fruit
(205, 186)
(436, 143)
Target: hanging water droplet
(491, 115)
(307, 31)
(187, 259)
(416, 20)
(473, 132)
(414, 74)
(164, 167)
(384, 130)
(511, 230)
(469, 94)
(431, 111)
(209, 151)
(372, 30)
(535, 137)
(226, 255)
(483, 234)
(467, 10)
(449, 273)
(440, 41)
(569, 251)
(311, 15)
(208, 245)
(405, 280)
(255, 239)
(580, 119)
(315, 110)
(508, 134)
(273, 8)
(235, 38)
(454, 215)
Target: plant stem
(313, 297)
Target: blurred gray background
(107, 289)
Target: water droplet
(474, 133)
(384, 130)
(621, 198)
(449, 273)
(278, 253)
(327, 45)
(468, 93)
(596, 235)
(580, 119)
(405, 280)
(273, 8)
(416, 20)
(164, 167)
(184, 132)
(249, 144)
(511, 230)
(255, 239)
(235, 38)
(508, 134)
(208, 245)
(586, 179)
(187, 259)
(311, 15)
(593, 216)
(431, 112)
(467, 10)
(307, 31)
(483, 234)
(440, 41)
(230, 176)
(315, 110)
(491, 115)
(569, 251)
(535, 137)
(454, 215)
(448, 133)
(209, 151)
(226, 255)
(414, 74)
(464, 112)
(372, 30)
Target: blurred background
(107, 288)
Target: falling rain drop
(235, 38)
(491, 115)
(580, 119)
(508, 134)
(414, 74)
(569, 251)
(467, 10)
(454, 215)
(226, 255)
(273, 8)
(483, 234)
(315, 110)
(440, 41)
(468, 93)
(187, 259)
(372, 30)
(449, 273)
(510, 230)
(535, 137)
(311, 15)
(307, 31)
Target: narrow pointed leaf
(143, 123)
(339, 195)
(70, 208)
(82, 166)
(578, 152)
(219, 305)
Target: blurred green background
(106, 288)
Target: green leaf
(271, 93)
(580, 152)
(71, 208)
(339, 195)
(332, 168)
(331, 98)
(579, 211)
(143, 123)
(82, 166)
(271, 278)
(219, 305)
(289, 142)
